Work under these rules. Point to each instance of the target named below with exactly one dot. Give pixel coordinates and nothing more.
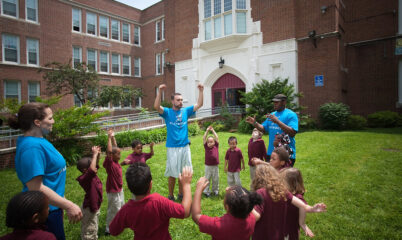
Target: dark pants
(55, 224)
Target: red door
(224, 87)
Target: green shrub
(73, 149)
(356, 122)
(382, 119)
(399, 121)
(334, 115)
(167, 104)
(206, 124)
(245, 127)
(193, 129)
(306, 123)
(228, 119)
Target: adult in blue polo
(177, 143)
(282, 120)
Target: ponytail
(26, 116)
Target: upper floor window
(104, 62)
(77, 56)
(33, 91)
(9, 8)
(115, 29)
(160, 30)
(32, 51)
(12, 90)
(31, 10)
(104, 26)
(91, 23)
(163, 62)
(137, 67)
(115, 63)
(137, 32)
(91, 59)
(126, 65)
(11, 48)
(76, 19)
(126, 32)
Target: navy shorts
(55, 224)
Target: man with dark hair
(282, 120)
(177, 143)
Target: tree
(83, 82)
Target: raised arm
(110, 136)
(151, 146)
(317, 208)
(253, 121)
(185, 180)
(215, 135)
(200, 100)
(157, 103)
(95, 152)
(196, 208)
(204, 138)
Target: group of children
(275, 210)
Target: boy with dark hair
(138, 155)
(92, 186)
(234, 162)
(149, 213)
(211, 146)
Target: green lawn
(357, 174)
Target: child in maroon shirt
(238, 223)
(279, 158)
(295, 217)
(271, 214)
(92, 186)
(233, 162)
(138, 155)
(114, 182)
(149, 213)
(211, 146)
(256, 149)
(26, 213)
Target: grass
(356, 173)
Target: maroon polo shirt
(272, 223)
(292, 219)
(29, 234)
(212, 154)
(234, 159)
(143, 157)
(256, 149)
(114, 182)
(92, 186)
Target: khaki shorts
(177, 158)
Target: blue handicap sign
(319, 80)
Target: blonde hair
(268, 177)
(293, 180)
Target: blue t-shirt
(37, 157)
(289, 118)
(177, 125)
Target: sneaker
(206, 194)
(171, 198)
(179, 197)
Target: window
(207, 8)
(241, 4)
(217, 27)
(158, 64)
(115, 63)
(77, 101)
(208, 30)
(77, 56)
(12, 90)
(11, 48)
(127, 103)
(76, 20)
(217, 7)
(126, 65)
(227, 5)
(228, 24)
(104, 62)
(104, 26)
(163, 29)
(33, 91)
(241, 22)
(9, 8)
(163, 62)
(137, 67)
(31, 12)
(138, 101)
(158, 31)
(91, 23)
(91, 59)
(126, 32)
(115, 30)
(137, 32)
(32, 51)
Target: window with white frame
(33, 91)
(104, 26)
(77, 56)
(115, 29)
(127, 103)
(125, 29)
(91, 59)
(126, 65)
(137, 32)
(115, 63)
(160, 30)
(91, 23)
(163, 28)
(32, 51)
(11, 48)
(163, 62)
(31, 10)
(104, 62)
(9, 8)
(138, 101)
(12, 90)
(76, 19)
(158, 64)
(137, 67)
(224, 17)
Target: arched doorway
(226, 90)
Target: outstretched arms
(196, 208)
(157, 103)
(200, 100)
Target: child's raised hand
(110, 133)
(186, 175)
(202, 183)
(151, 144)
(319, 207)
(96, 150)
